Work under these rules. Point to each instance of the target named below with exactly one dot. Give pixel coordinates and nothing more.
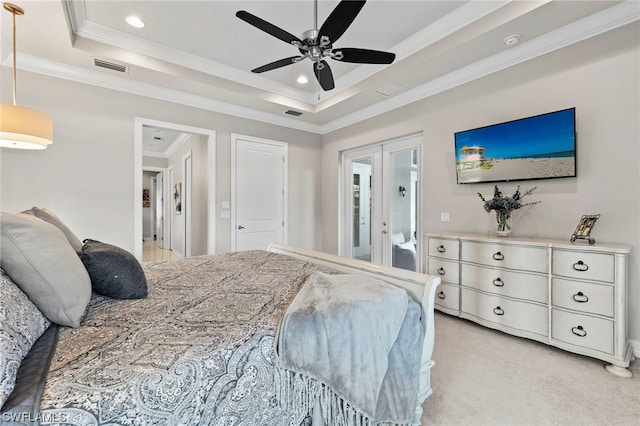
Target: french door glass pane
(404, 209)
(361, 209)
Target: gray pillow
(114, 272)
(21, 323)
(49, 216)
(38, 258)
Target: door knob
(384, 231)
(240, 227)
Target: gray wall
(605, 93)
(86, 176)
(197, 145)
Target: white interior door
(258, 193)
(186, 205)
(159, 209)
(170, 218)
(387, 233)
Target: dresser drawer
(526, 258)
(510, 313)
(446, 270)
(444, 248)
(582, 330)
(588, 266)
(448, 297)
(506, 283)
(582, 296)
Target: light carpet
(486, 377)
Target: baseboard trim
(635, 345)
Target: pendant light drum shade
(24, 128)
(20, 127)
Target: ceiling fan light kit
(317, 45)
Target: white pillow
(40, 260)
(397, 238)
(408, 246)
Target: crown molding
(591, 26)
(94, 78)
(464, 15)
(177, 143)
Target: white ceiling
(199, 53)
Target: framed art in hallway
(177, 197)
(145, 198)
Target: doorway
(209, 137)
(259, 192)
(382, 203)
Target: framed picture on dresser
(583, 230)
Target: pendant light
(20, 127)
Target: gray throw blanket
(354, 345)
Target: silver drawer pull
(441, 295)
(580, 266)
(498, 256)
(498, 311)
(498, 282)
(441, 271)
(580, 297)
(441, 249)
(579, 331)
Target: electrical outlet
(444, 217)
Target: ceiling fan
(318, 44)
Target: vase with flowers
(503, 205)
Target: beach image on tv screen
(537, 147)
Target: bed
(197, 349)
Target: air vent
(390, 89)
(110, 65)
(294, 113)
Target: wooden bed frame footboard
(421, 287)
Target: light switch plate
(444, 217)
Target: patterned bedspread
(197, 351)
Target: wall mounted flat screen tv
(538, 147)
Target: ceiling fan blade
(364, 56)
(340, 19)
(324, 75)
(276, 64)
(267, 27)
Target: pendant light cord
(14, 57)
(15, 10)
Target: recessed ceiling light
(302, 79)
(135, 22)
(512, 40)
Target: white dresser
(569, 295)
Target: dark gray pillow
(114, 272)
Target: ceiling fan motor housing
(318, 44)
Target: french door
(382, 203)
